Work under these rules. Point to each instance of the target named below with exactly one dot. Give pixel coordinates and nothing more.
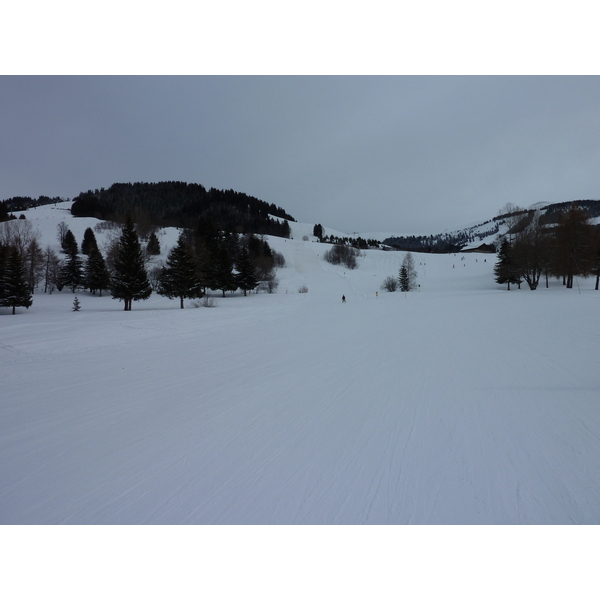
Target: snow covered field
(460, 403)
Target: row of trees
(567, 249)
(202, 259)
(355, 242)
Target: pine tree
(246, 276)
(4, 254)
(404, 279)
(206, 243)
(89, 242)
(221, 271)
(178, 279)
(130, 280)
(71, 273)
(153, 246)
(69, 243)
(506, 270)
(411, 272)
(96, 273)
(15, 291)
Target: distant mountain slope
(484, 233)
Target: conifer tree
(130, 280)
(246, 276)
(404, 279)
(221, 271)
(178, 279)
(15, 291)
(89, 242)
(153, 246)
(71, 273)
(506, 270)
(96, 272)
(411, 272)
(205, 247)
(4, 253)
(69, 243)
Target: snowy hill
(457, 403)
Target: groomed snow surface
(460, 403)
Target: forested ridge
(180, 204)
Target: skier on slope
(343, 299)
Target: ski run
(457, 403)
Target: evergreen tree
(69, 243)
(506, 268)
(153, 246)
(96, 272)
(411, 272)
(71, 273)
(318, 231)
(246, 276)
(205, 247)
(3, 212)
(130, 280)
(221, 271)
(596, 262)
(4, 254)
(15, 291)
(89, 242)
(178, 279)
(404, 279)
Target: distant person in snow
(343, 299)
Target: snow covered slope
(458, 403)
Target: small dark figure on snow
(344, 299)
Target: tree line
(355, 242)
(204, 258)
(19, 203)
(180, 204)
(565, 246)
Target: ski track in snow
(458, 404)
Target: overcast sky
(413, 154)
